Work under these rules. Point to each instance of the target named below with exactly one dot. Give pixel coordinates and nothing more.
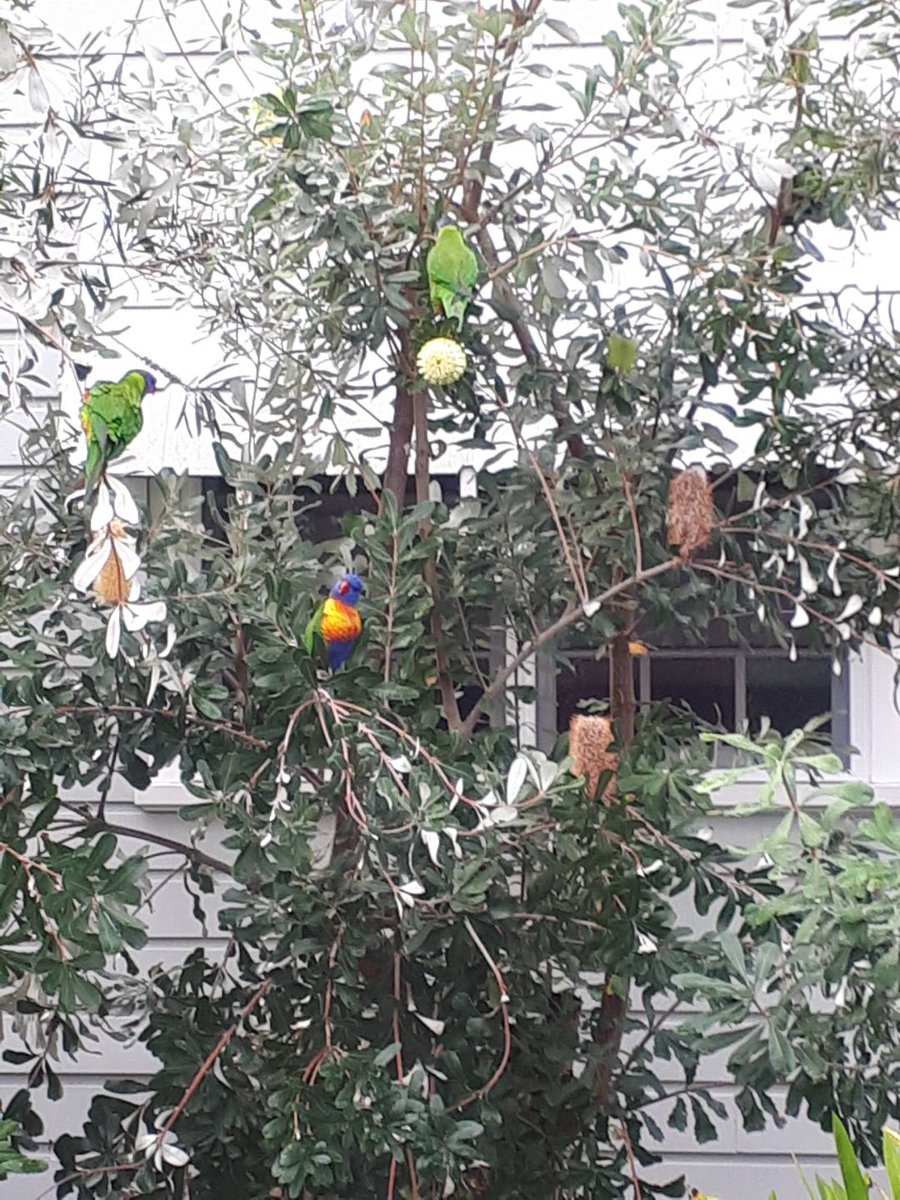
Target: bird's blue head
(348, 589)
(149, 382)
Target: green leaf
(891, 1147)
(678, 1116)
(780, 1053)
(734, 952)
(811, 831)
(387, 1055)
(854, 1183)
(854, 792)
(565, 31)
(827, 764)
(704, 1130)
(553, 281)
(714, 781)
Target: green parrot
(452, 271)
(111, 418)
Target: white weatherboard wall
(739, 1166)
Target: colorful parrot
(337, 622)
(452, 271)
(111, 418)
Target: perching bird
(452, 271)
(111, 418)
(337, 622)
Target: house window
(730, 687)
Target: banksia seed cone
(690, 511)
(589, 742)
(111, 586)
(441, 361)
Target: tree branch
(571, 614)
(429, 571)
(210, 1059)
(239, 735)
(89, 823)
(397, 466)
(614, 1005)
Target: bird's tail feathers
(93, 471)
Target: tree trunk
(614, 1007)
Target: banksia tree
(436, 966)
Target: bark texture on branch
(614, 1007)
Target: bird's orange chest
(340, 622)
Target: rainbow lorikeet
(337, 621)
(111, 418)
(452, 271)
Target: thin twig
(110, 776)
(504, 1014)
(90, 823)
(398, 1060)
(632, 1165)
(211, 1058)
(240, 735)
(635, 525)
(83, 1171)
(29, 865)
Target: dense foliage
(449, 966)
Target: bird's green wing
(112, 419)
(118, 406)
(313, 627)
(452, 273)
(98, 445)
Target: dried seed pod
(111, 586)
(690, 511)
(589, 742)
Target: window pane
(789, 694)
(589, 680)
(585, 679)
(705, 685)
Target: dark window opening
(324, 502)
(789, 693)
(589, 680)
(704, 685)
(728, 687)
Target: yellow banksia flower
(441, 361)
